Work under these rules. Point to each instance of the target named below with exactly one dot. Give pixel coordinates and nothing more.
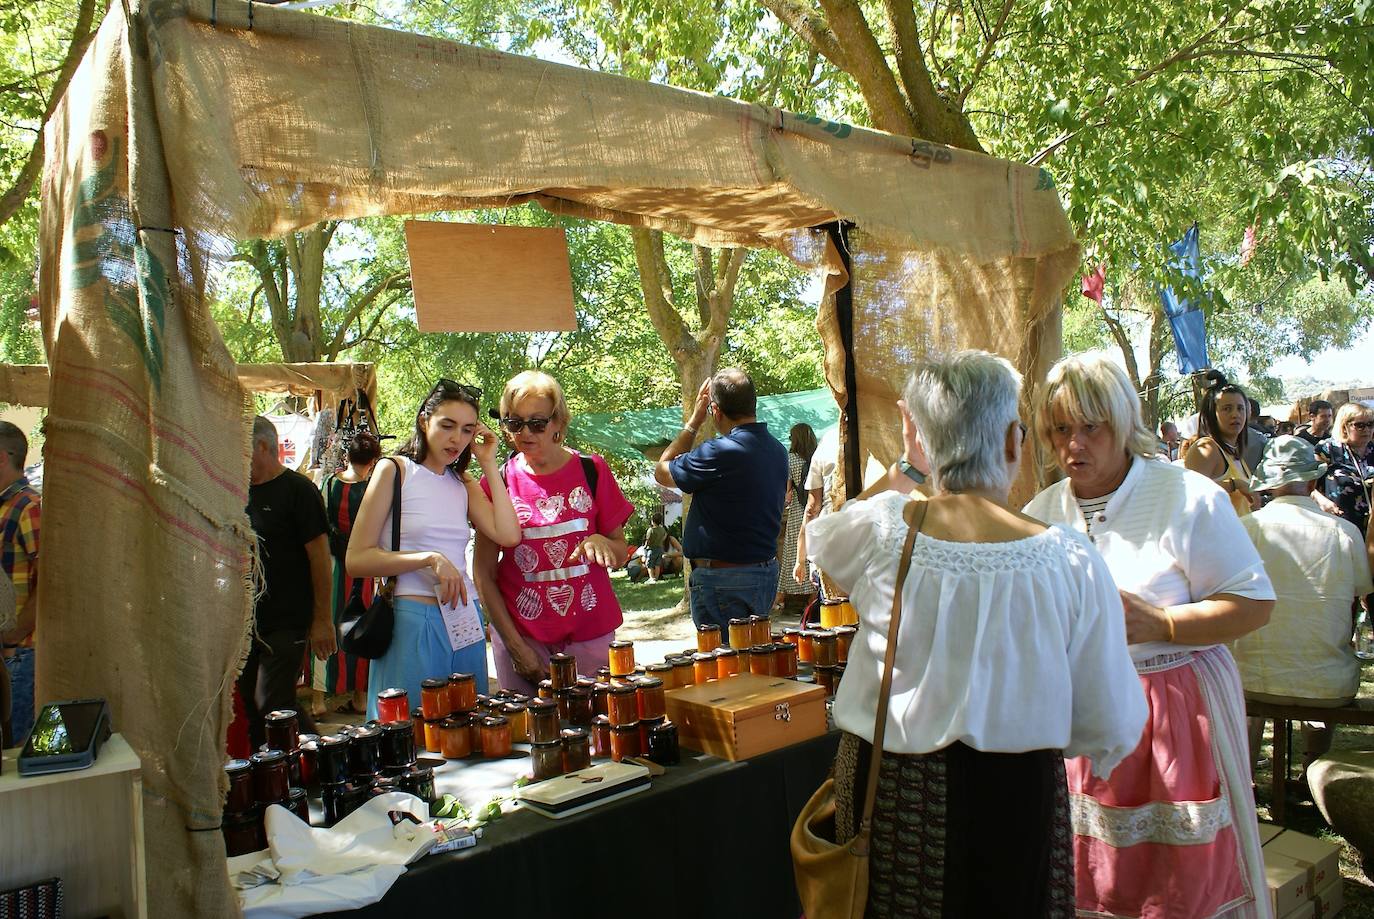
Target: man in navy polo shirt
(738, 483)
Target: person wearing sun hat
(1317, 565)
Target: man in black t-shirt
(288, 516)
(1318, 427)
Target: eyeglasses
(1362, 425)
(515, 425)
(1022, 426)
(446, 385)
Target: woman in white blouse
(1172, 831)
(1011, 652)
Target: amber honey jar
(271, 778)
(660, 671)
(542, 715)
(825, 678)
(241, 794)
(365, 753)
(563, 698)
(475, 733)
(778, 658)
(462, 692)
(727, 662)
(825, 648)
(761, 660)
(622, 658)
(545, 689)
(602, 675)
(577, 749)
(708, 637)
(599, 693)
(455, 737)
(546, 760)
(785, 660)
(791, 635)
(580, 707)
(417, 721)
(434, 742)
(282, 728)
(393, 705)
(496, 741)
(398, 744)
(844, 637)
(601, 736)
(331, 757)
(518, 714)
(309, 757)
(760, 630)
(703, 667)
(624, 741)
(806, 646)
(741, 633)
(622, 704)
(649, 692)
(683, 672)
(434, 698)
(562, 670)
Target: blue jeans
(721, 594)
(21, 694)
(419, 650)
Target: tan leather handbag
(832, 880)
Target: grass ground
(651, 614)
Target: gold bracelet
(1169, 619)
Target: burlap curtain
(179, 135)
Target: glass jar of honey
(298, 804)
(785, 660)
(546, 760)
(622, 705)
(727, 662)
(393, 705)
(420, 782)
(761, 660)
(585, 682)
(599, 693)
(777, 663)
(282, 728)
(563, 698)
(622, 658)
(417, 721)
(624, 740)
(708, 637)
(741, 633)
(760, 630)
(825, 678)
(496, 742)
(661, 671)
(398, 745)
(792, 636)
(434, 736)
(434, 699)
(703, 667)
(545, 689)
(243, 833)
(602, 675)
(577, 749)
(825, 648)
(580, 707)
(663, 744)
(601, 736)
(455, 737)
(332, 759)
(683, 672)
(543, 720)
(241, 794)
(462, 692)
(271, 779)
(365, 753)
(831, 614)
(650, 697)
(475, 733)
(806, 646)
(844, 637)
(517, 713)
(646, 727)
(562, 670)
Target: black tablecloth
(709, 838)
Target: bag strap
(396, 508)
(859, 845)
(590, 472)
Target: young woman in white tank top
(438, 502)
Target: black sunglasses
(515, 425)
(446, 385)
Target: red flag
(1093, 283)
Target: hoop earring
(557, 436)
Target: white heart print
(549, 507)
(580, 500)
(528, 603)
(588, 597)
(560, 598)
(526, 559)
(523, 512)
(557, 551)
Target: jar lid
(584, 682)
(682, 661)
(366, 732)
(625, 728)
(575, 735)
(786, 648)
(600, 688)
(620, 645)
(580, 692)
(306, 738)
(823, 635)
(452, 722)
(739, 621)
(824, 667)
(776, 636)
(658, 668)
(543, 706)
(392, 693)
(621, 689)
(651, 683)
(281, 714)
(417, 713)
(546, 684)
(494, 721)
(460, 678)
(703, 656)
(603, 672)
(520, 698)
(727, 652)
(514, 708)
(651, 723)
(419, 772)
(438, 721)
(547, 744)
(296, 794)
(335, 740)
(482, 697)
(267, 757)
(667, 727)
(235, 766)
(708, 627)
(757, 618)
(561, 656)
(761, 649)
(601, 720)
(433, 683)
(791, 630)
(396, 727)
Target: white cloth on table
(307, 870)
(1317, 564)
(1005, 647)
(1169, 535)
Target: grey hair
(962, 405)
(264, 432)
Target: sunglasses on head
(450, 386)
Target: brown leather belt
(717, 563)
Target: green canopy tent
(641, 435)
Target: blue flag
(1186, 318)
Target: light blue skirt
(420, 650)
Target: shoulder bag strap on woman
(917, 510)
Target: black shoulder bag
(365, 631)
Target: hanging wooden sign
(482, 278)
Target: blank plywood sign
(474, 278)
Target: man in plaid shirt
(19, 519)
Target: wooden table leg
(1279, 784)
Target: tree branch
(658, 293)
(811, 27)
(991, 43)
(362, 302)
(869, 68)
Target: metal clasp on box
(782, 712)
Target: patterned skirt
(959, 832)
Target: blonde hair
(1086, 389)
(1347, 413)
(535, 384)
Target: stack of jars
(273, 775)
(827, 651)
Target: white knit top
(434, 518)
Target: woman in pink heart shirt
(552, 592)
